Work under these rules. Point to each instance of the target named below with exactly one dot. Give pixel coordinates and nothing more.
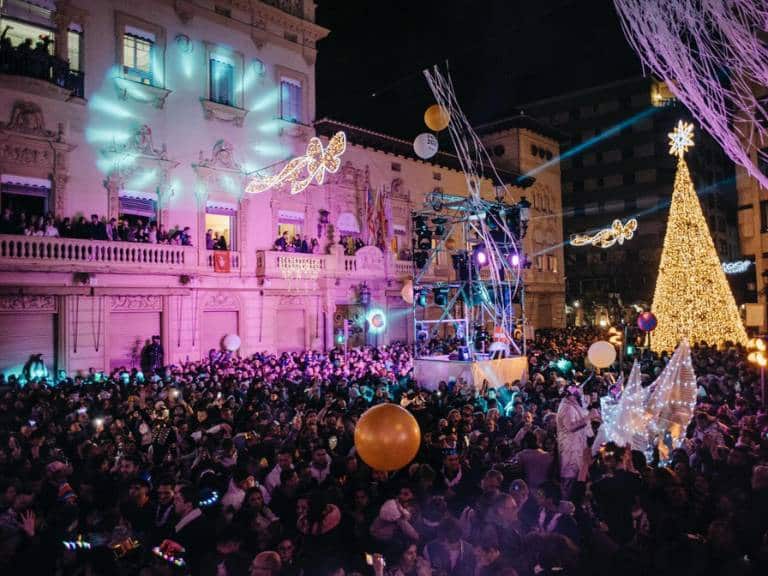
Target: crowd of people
(233, 466)
(31, 58)
(123, 230)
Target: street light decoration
(607, 237)
(302, 170)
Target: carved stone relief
(32, 303)
(28, 148)
(221, 302)
(27, 118)
(136, 303)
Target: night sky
(501, 53)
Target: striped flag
(370, 215)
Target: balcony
(368, 263)
(41, 254)
(42, 67)
(70, 255)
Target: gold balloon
(387, 437)
(450, 244)
(436, 118)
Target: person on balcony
(50, 228)
(221, 243)
(7, 225)
(111, 229)
(65, 228)
(209, 242)
(186, 237)
(281, 244)
(97, 229)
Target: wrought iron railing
(41, 65)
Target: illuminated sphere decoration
(646, 321)
(437, 118)
(407, 292)
(425, 145)
(231, 342)
(377, 321)
(602, 354)
(387, 437)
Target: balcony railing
(46, 254)
(73, 254)
(43, 66)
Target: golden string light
(607, 237)
(302, 170)
(692, 297)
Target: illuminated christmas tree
(692, 298)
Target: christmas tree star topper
(681, 138)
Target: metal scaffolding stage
(468, 293)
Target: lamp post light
(524, 207)
(757, 356)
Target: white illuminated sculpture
(607, 237)
(302, 170)
(652, 417)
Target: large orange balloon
(387, 437)
(436, 118)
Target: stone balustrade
(44, 254)
(40, 253)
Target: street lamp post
(757, 356)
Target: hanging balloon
(407, 292)
(602, 354)
(387, 437)
(646, 321)
(436, 118)
(231, 342)
(425, 145)
(450, 244)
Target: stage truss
(482, 292)
(481, 304)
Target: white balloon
(425, 145)
(602, 354)
(407, 292)
(231, 342)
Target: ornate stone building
(162, 111)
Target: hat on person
(66, 493)
(55, 466)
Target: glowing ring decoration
(377, 321)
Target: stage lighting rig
(480, 256)
(440, 295)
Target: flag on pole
(370, 215)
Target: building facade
(163, 111)
(617, 166)
(753, 222)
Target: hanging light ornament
(302, 170)
(607, 237)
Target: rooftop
(385, 143)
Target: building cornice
(261, 15)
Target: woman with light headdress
(573, 430)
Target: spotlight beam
(610, 132)
(637, 215)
